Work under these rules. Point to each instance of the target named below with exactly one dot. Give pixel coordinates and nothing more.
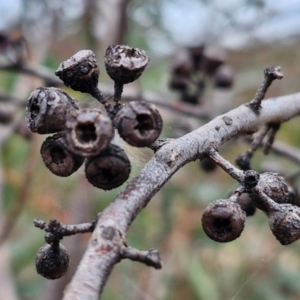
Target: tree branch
(104, 249)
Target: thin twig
(270, 74)
(150, 258)
(273, 128)
(39, 72)
(61, 230)
(227, 166)
(243, 160)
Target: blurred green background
(253, 35)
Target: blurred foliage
(253, 267)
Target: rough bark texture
(104, 247)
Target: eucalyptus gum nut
(274, 186)
(223, 220)
(284, 222)
(88, 131)
(125, 64)
(52, 261)
(80, 72)
(108, 170)
(224, 77)
(58, 158)
(47, 110)
(138, 123)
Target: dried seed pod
(213, 58)
(196, 54)
(284, 222)
(80, 72)
(108, 170)
(58, 158)
(182, 65)
(138, 123)
(246, 204)
(47, 109)
(223, 78)
(125, 64)
(274, 186)
(284, 219)
(223, 220)
(89, 131)
(52, 261)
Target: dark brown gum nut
(139, 123)
(246, 204)
(213, 58)
(224, 77)
(52, 261)
(88, 131)
(182, 65)
(196, 54)
(284, 222)
(110, 169)
(58, 158)
(47, 109)
(274, 186)
(80, 72)
(125, 64)
(223, 220)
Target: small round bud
(274, 186)
(138, 123)
(251, 179)
(108, 170)
(125, 64)
(223, 77)
(52, 261)
(223, 220)
(47, 109)
(88, 131)
(80, 72)
(58, 158)
(246, 204)
(208, 165)
(243, 161)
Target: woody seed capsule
(80, 72)
(284, 219)
(125, 64)
(138, 123)
(58, 158)
(223, 220)
(47, 109)
(89, 131)
(108, 170)
(274, 186)
(52, 261)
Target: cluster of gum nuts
(88, 134)
(223, 220)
